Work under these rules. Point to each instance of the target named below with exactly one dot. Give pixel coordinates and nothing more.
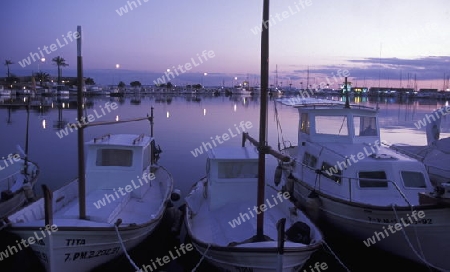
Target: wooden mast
(80, 132)
(262, 148)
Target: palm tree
(42, 77)
(89, 81)
(7, 63)
(60, 62)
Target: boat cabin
(121, 160)
(334, 123)
(232, 174)
(343, 143)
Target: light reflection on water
(182, 123)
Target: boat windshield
(365, 126)
(331, 125)
(114, 157)
(232, 170)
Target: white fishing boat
(351, 181)
(237, 222)
(119, 198)
(17, 179)
(222, 223)
(126, 197)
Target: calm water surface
(182, 124)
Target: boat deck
(129, 209)
(235, 223)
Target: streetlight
(117, 67)
(41, 60)
(204, 74)
(235, 81)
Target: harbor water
(185, 127)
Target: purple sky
(407, 40)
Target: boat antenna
(80, 132)
(347, 103)
(263, 148)
(25, 167)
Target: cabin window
(332, 125)
(413, 179)
(304, 123)
(331, 172)
(309, 160)
(365, 126)
(373, 179)
(232, 170)
(114, 157)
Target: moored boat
(221, 217)
(352, 181)
(234, 220)
(118, 199)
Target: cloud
(424, 68)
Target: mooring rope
(420, 256)
(201, 259)
(116, 226)
(335, 256)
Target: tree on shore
(7, 64)
(60, 62)
(121, 84)
(135, 84)
(42, 77)
(89, 81)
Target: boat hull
(80, 245)
(375, 226)
(248, 256)
(82, 249)
(253, 259)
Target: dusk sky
(408, 38)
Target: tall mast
(262, 148)
(80, 131)
(307, 79)
(276, 76)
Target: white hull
(81, 245)
(254, 260)
(83, 249)
(362, 221)
(210, 234)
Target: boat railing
(7, 182)
(101, 138)
(331, 105)
(138, 139)
(351, 180)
